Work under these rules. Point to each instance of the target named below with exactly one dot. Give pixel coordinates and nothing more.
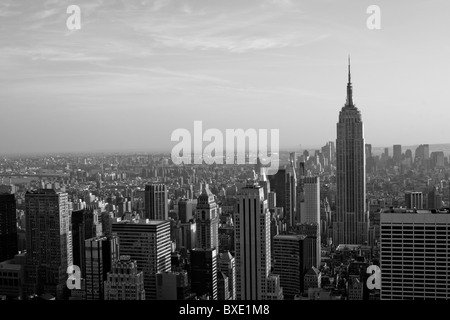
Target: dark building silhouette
(8, 228)
(204, 272)
(156, 202)
(48, 242)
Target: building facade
(351, 220)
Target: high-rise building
(173, 285)
(312, 243)
(397, 153)
(207, 220)
(426, 151)
(204, 272)
(284, 184)
(156, 202)
(437, 159)
(351, 220)
(434, 199)
(271, 197)
(49, 242)
(310, 211)
(414, 254)
(186, 207)
(227, 265)
(84, 226)
(100, 254)
(8, 229)
(124, 281)
(414, 200)
(368, 150)
(292, 259)
(252, 242)
(147, 242)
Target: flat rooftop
(142, 221)
(415, 211)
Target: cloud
(46, 13)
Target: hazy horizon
(139, 69)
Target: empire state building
(350, 225)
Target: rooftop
(411, 211)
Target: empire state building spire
(349, 101)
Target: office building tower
(435, 199)
(414, 200)
(414, 254)
(272, 200)
(226, 238)
(422, 154)
(204, 272)
(368, 150)
(223, 292)
(85, 225)
(100, 254)
(49, 242)
(252, 242)
(426, 151)
(124, 281)
(351, 220)
(397, 157)
(284, 185)
(147, 242)
(227, 265)
(8, 228)
(310, 211)
(292, 259)
(173, 285)
(186, 208)
(156, 202)
(207, 220)
(312, 243)
(264, 182)
(437, 159)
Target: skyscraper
(84, 227)
(368, 150)
(414, 255)
(124, 281)
(207, 220)
(414, 200)
(204, 272)
(49, 242)
(291, 261)
(100, 254)
(173, 285)
(351, 220)
(397, 153)
(252, 241)
(284, 183)
(156, 202)
(226, 264)
(147, 242)
(310, 211)
(8, 229)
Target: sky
(139, 69)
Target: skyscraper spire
(349, 74)
(349, 86)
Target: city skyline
(136, 71)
